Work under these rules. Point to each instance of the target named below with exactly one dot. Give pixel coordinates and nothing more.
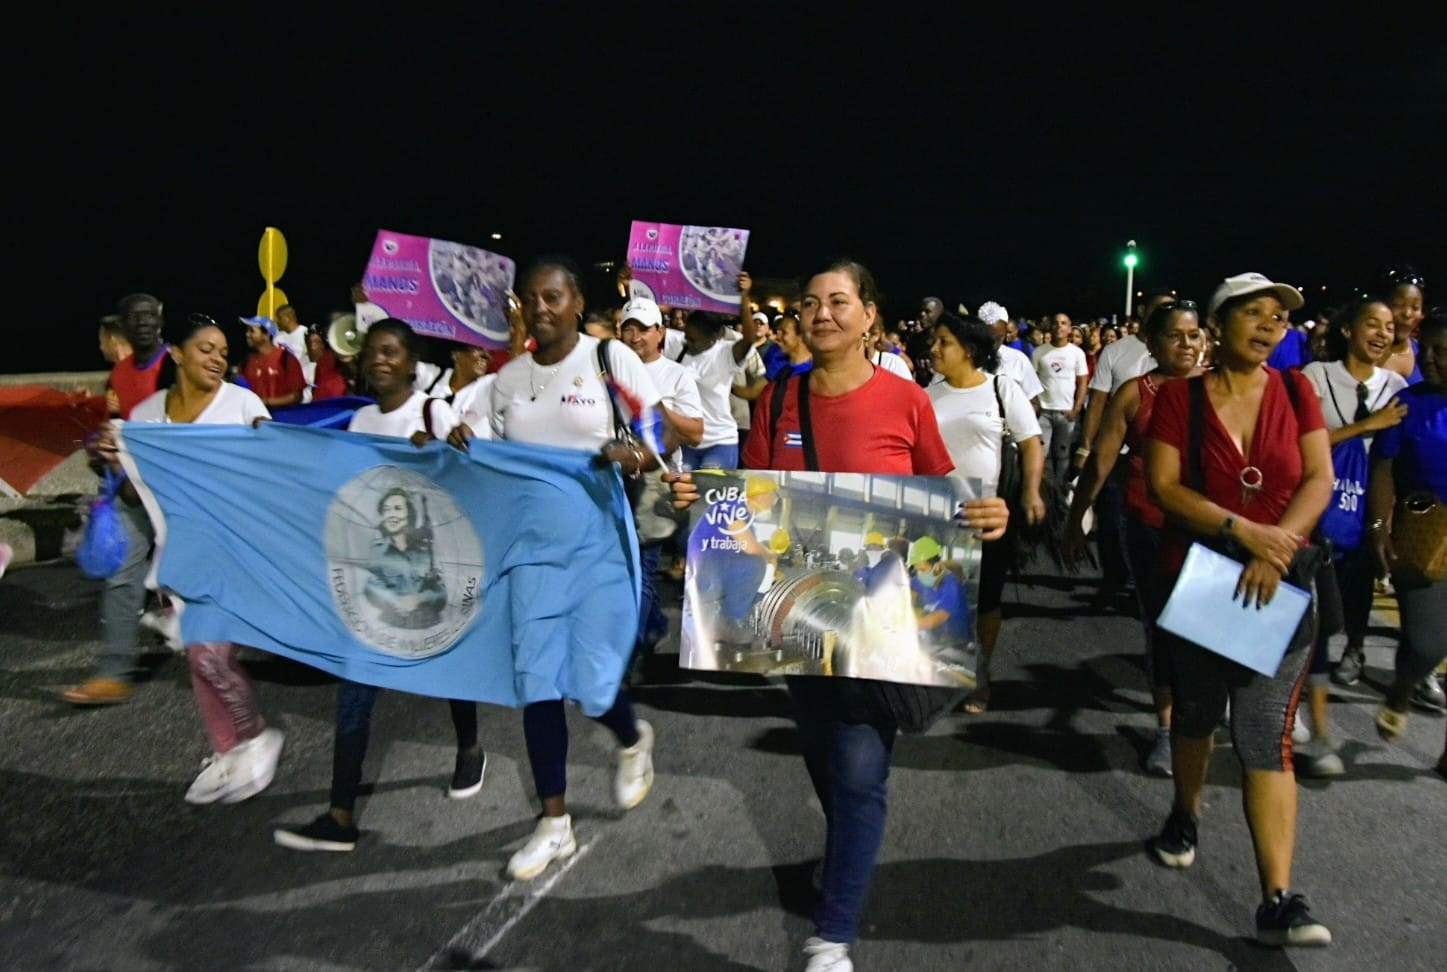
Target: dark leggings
(1152, 589)
(354, 728)
(1262, 708)
(545, 727)
(994, 559)
(1422, 645)
(1355, 575)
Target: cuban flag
(507, 574)
(646, 421)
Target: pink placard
(443, 289)
(693, 267)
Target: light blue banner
(508, 574)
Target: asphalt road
(1014, 837)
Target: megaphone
(344, 337)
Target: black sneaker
(467, 778)
(1285, 920)
(323, 834)
(1175, 845)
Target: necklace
(533, 378)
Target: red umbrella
(40, 427)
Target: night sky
(972, 160)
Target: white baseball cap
(1254, 283)
(642, 310)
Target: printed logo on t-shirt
(793, 440)
(403, 562)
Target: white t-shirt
(746, 373)
(233, 405)
(470, 404)
(972, 426)
(892, 363)
(714, 372)
(428, 376)
(367, 314)
(1015, 364)
(406, 419)
(565, 404)
(676, 387)
(1057, 369)
(1120, 362)
(673, 341)
(1337, 390)
(295, 342)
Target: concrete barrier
(43, 524)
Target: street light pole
(1130, 262)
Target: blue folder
(1203, 608)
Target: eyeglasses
(1181, 305)
(201, 320)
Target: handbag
(1344, 519)
(912, 708)
(103, 545)
(633, 486)
(1342, 522)
(1012, 469)
(1419, 540)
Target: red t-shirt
(1275, 450)
(273, 374)
(1138, 499)
(134, 383)
(329, 382)
(885, 426)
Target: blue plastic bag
(103, 546)
(1343, 520)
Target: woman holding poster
(869, 421)
(554, 395)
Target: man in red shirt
(133, 379)
(271, 370)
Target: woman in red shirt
(859, 418)
(1261, 479)
(1173, 334)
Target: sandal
(1390, 723)
(975, 705)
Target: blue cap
(261, 321)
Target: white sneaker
(1158, 763)
(635, 769)
(825, 956)
(552, 840)
(166, 623)
(1301, 732)
(255, 765)
(7, 554)
(215, 779)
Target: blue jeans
(354, 729)
(848, 763)
(723, 456)
(652, 623)
(1057, 437)
(125, 595)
